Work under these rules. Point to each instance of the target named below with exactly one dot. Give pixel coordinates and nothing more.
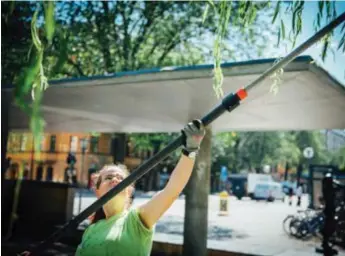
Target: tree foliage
(251, 151)
(102, 37)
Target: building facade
(335, 139)
(51, 162)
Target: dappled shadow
(174, 225)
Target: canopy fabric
(165, 99)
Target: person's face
(109, 179)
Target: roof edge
(304, 58)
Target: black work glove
(193, 133)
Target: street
(250, 227)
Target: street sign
(308, 152)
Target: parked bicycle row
(309, 223)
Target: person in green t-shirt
(120, 231)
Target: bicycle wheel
(302, 229)
(294, 227)
(286, 224)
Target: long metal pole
(229, 103)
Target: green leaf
(227, 19)
(328, 9)
(293, 21)
(205, 13)
(49, 20)
(343, 27)
(321, 5)
(297, 12)
(29, 75)
(278, 38)
(252, 15)
(318, 20)
(276, 11)
(324, 50)
(248, 4)
(334, 10)
(299, 23)
(342, 42)
(211, 3)
(282, 28)
(34, 34)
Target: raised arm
(151, 211)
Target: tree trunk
(286, 174)
(196, 208)
(119, 148)
(299, 173)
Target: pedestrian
(117, 229)
(299, 193)
(290, 194)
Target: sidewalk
(252, 228)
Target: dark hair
(100, 214)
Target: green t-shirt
(121, 235)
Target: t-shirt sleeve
(136, 225)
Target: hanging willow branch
(32, 79)
(246, 14)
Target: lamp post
(308, 153)
(84, 144)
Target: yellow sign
(223, 203)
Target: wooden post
(196, 208)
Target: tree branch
(174, 41)
(76, 66)
(148, 14)
(102, 37)
(127, 39)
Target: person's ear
(94, 180)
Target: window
(52, 144)
(94, 144)
(73, 144)
(24, 142)
(42, 143)
(14, 142)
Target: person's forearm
(180, 176)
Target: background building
(335, 139)
(50, 163)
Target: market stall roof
(165, 99)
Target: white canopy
(165, 99)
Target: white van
(269, 191)
(256, 178)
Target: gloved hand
(193, 133)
